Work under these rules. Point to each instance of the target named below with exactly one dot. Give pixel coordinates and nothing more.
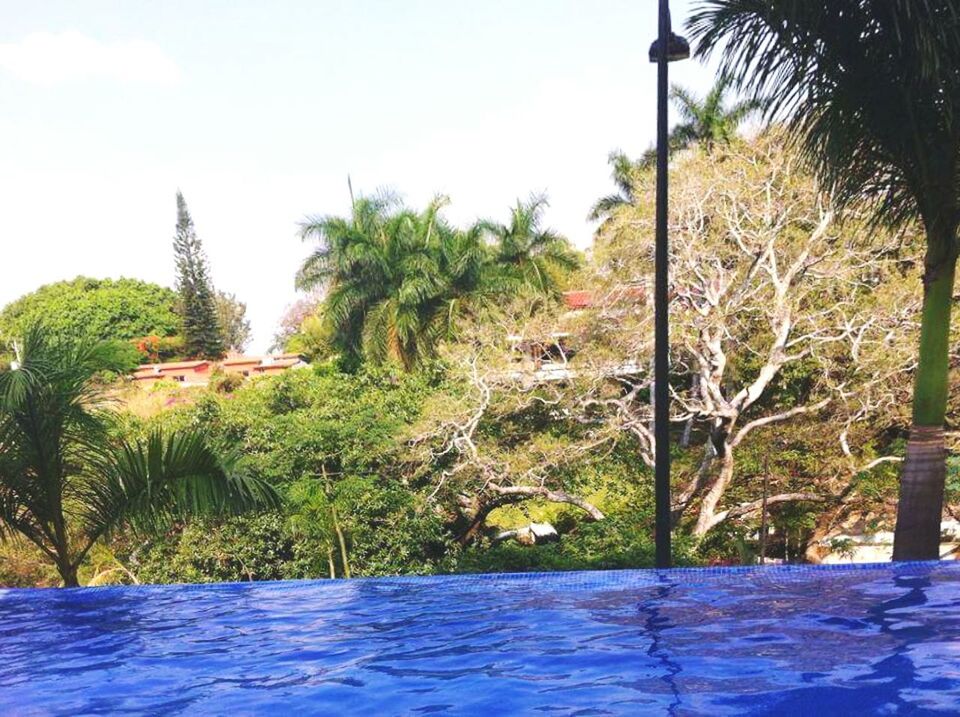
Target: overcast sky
(258, 111)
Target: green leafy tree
(202, 333)
(871, 90)
(66, 482)
(85, 309)
(233, 322)
(330, 442)
(527, 255)
(388, 274)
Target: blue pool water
(827, 640)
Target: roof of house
(240, 360)
(172, 366)
(278, 363)
(585, 298)
(579, 299)
(256, 363)
(272, 358)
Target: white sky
(257, 111)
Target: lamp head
(677, 49)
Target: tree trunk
(688, 428)
(68, 573)
(341, 541)
(919, 510)
(708, 506)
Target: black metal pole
(661, 299)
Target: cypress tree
(202, 335)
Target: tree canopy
(397, 280)
(94, 310)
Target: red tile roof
(585, 298)
(172, 366)
(241, 360)
(580, 299)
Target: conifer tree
(202, 335)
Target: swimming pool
(790, 640)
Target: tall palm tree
(65, 482)
(351, 264)
(396, 281)
(871, 89)
(392, 277)
(526, 255)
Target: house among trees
(199, 372)
(548, 358)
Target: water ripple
(858, 639)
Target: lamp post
(667, 48)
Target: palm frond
(148, 484)
(870, 89)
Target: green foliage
(952, 490)
(200, 325)
(94, 310)
(67, 479)
(622, 171)
(397, 280)
(233, 322)
(225, 382)
(255, 547)
(120, 357)
(708, 121)
(330, 441)
(526, 255)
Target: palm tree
(527, 256)
(393, 278)
(351, 265)
(622, 169)
(706, 122)
(65, 482)
(396, 281)
(871, 90)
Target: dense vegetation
(95, 310)
(67, 481)
(459, 416)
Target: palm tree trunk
(68, 573)
(919, 510)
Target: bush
(233, 550)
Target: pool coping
(611, 578)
